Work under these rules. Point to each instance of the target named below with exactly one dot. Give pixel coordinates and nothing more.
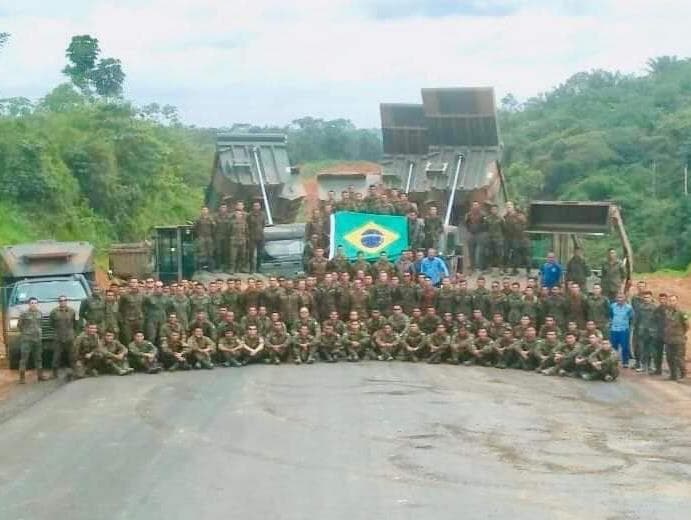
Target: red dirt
(368, 168)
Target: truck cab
(44, 270)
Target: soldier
(339, 262)
(464, 299)
(203, 323)
(381, 294)
(413, 344)
(483, 349)
(360, 264)
(481, 296)
(576, 306)
(222, 232)
(519, 354)
(173, 350)
(514, 304)
(131, 311)
(289, 303)
(204, 231)
(516, 239)
(318, 265)
(416, 231)
(155, 305)
(531, 306)
(335, 322)
(179, 305)
(304, 345)
(645, 332)
(430, 321)
(398, 320)
(383, 265)
(329, 346)
(597, 307)
(603, 364)
(355, 341)
(550, 325)
(497, 301)
(434, 228)
(576, 269)
(502, 346)
(676, 325)
(556, 305)
(256, 221)
(476, 224)
(659, 345)
(612, 275)
(478, 321)
(253, 350)
(446, 297)
(200, 349)
(497, 327)
(91, 310)
(87, 352)
(439, 345)
(520, 329)
(590, 328)
(386, 341)
(495, 239)
(238, 242)
(30, 340)
(199, 301)
(111, 315)
(305, 319)
(143, 355)
(542, 352)
(215, 301)
(114, 356)
(561, 361)
(229, 349)
(63, 319)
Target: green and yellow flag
(368, 233)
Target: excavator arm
(620, 230)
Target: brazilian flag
(368, 233)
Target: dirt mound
(681, 286)
(364, 167)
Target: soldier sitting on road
(173, 352)
(200, 349)
(114, 356)
(304, 345)
(277, 343)
(143, 355)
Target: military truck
(44, 270)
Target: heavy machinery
(44, 270)
(562, 223)
(256, 167)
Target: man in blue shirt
(621, 316)
(550, 272)
(434, 267)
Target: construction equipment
(250, 167)
(565, 221)
(44, 270)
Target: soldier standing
(238, 242)
(91, 310)
(256, 221)
(612, 275)
(644, 332)
(155, 305)
(30, 340)
(222, 231)
(131, 312)
(434, 228)
(576, 269)
(204, 231)
(676, 327)
(416, 231)
(64, 322)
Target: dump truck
(445, 152)
(251, 167)
(44, 270)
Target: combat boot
(22, 377)
(208, 365)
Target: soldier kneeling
(173, 352)
(114, 356)
(143, 355)
(88, 352)
(304, 346)
(200, 349)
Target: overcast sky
(270, 61)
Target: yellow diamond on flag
(371, 238)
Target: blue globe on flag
(371, 238)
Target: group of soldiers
(493, 240)
(230, 241)
(384, 312)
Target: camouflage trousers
(30, 347)
(205, 252)
(255, 249)
(237, 261)
(59, 348)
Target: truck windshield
(48, 291)
(283, 248)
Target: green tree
(108, 78)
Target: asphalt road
(367, 441)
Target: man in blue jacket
(434, 267)
(551, 271)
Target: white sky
(270, 61)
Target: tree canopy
(609, 136)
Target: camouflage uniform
(304, 348)
(355, 343)
(439, 345)
(87, 345)
(495, 241)
(139, 356)
(413, 346)
(676, 327)
(514, 304)
(197, 351)
(484, 352)
(111, 318)
(598, 311)
(180, 305)
(64, 323)
(289, 305)
(329, 347)
(204, 231)
(386, 344)
(399, 323)
(131, 315)
(462, 346)
(237, 258)
(434, 227)
(645, 333)
(30, 341)
(169, 349)
(114, 358)
(155, 306)
(222, 231)
(382, 298)
(604, 364)
(256, 220)
(612, 278)
(92, 310)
